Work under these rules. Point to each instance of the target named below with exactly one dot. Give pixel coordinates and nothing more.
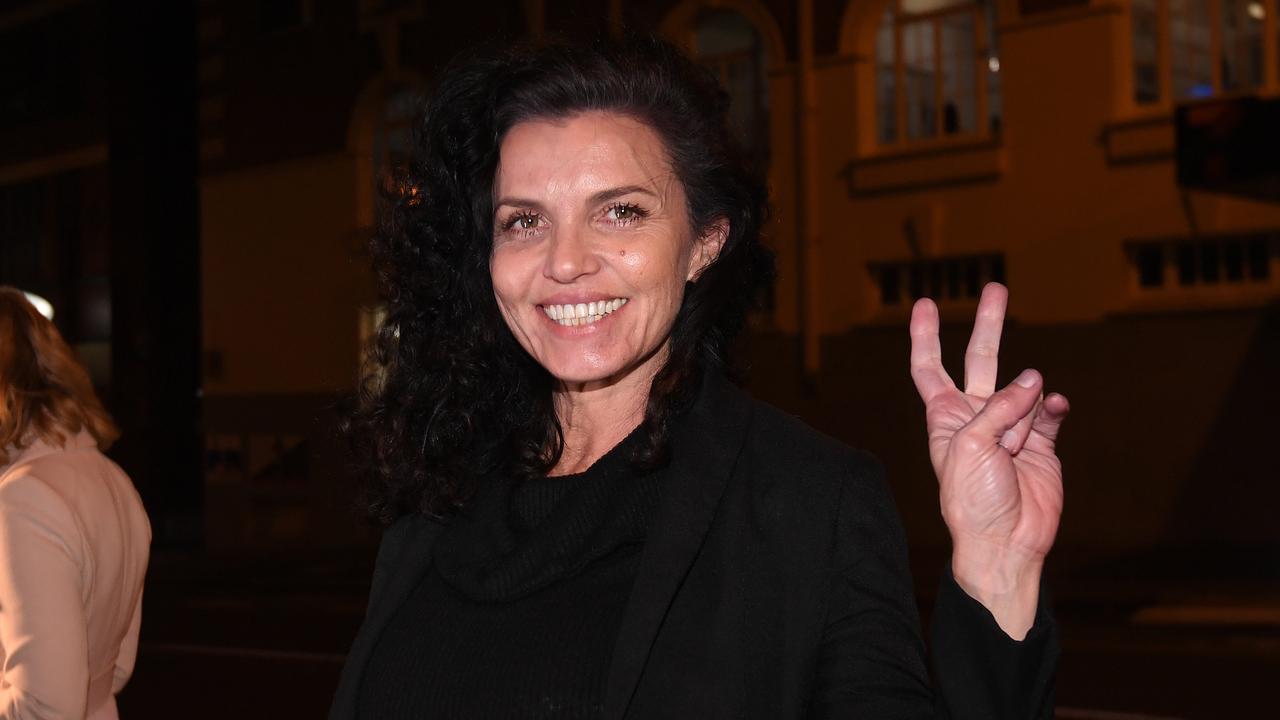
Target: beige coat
(74, 543)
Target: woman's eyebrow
(517, 202)
(611, 193)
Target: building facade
(912, 148)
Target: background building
(936, 145)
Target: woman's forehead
(581, 153)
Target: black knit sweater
(518, 614)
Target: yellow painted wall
(283, 280)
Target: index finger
(930, 377)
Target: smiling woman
(590, 265)
(456, 365)
(586, 519)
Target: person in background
(74, 537)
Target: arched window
(392, 139)
(1190, 49)
(729, 45)
(937, 70)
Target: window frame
(1165, 100)
(981, 67)
(759, 149)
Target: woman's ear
(707, 247)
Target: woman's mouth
(571, 315)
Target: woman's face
(592, 245)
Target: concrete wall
(284, 278)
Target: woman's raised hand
(1000, 481)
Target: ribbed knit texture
(518, 614)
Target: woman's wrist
(1006, 582)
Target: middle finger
(981, 359)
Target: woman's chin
(594, 371)
(581, 376)
(601, 364)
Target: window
(937, 70)
(728, 44)
(958, 278)
(393, 135)
(1191, 49)
(1207, 262)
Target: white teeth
(582, 313)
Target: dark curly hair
(448, 393)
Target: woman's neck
(595, 417)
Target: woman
(73, 533)
(586, 518)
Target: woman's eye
(523, 223)
(625, 214)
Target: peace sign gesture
(999, 479)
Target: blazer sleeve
(872, 661)
(128, 654)
(42, 621)
(979, 671)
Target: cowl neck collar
(492, 552)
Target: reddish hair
(45, 392)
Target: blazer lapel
(705, 445)
(403, 558)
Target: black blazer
(773, 585)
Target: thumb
(1008, 406)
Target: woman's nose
(569, 256)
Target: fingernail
(1007, 440)
(1027, 378)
